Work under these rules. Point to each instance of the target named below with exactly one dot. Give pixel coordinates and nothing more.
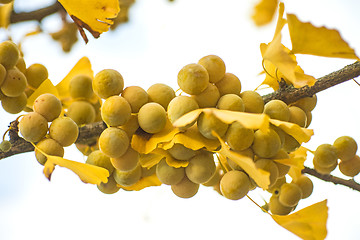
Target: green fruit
(115, 111)
(269, 166)
(33, 127)
(266, 144)
(277, 208)
(207, 98)
(9, 53)
(201, 168)
(185, 188)
(82, 112)
(215, 67)
(161, 93)
(346, 147)
(180, 152)
(238, 137)
(48, 105)
(14, 84)
(234, 185)
(277, 109)
(179, 106)
(99, 159)
(128, 161)
(152, 117)
(5, 146)
(306, 186)
(36, 74)
(114, 142)
(253, 101)
(193, 79)
(351, 167)
(110, 187)
(229, 84)
(231, 102)
(64, 130)
(169, 175)
(80, 87)
(136, 97)
(290, 194)
(14, 104)
(127, 178)
(108, 82)
(208, 123)
(49, 146)
(325, 156)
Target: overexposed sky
(161, 38)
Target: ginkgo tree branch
(90, 132)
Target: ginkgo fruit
(277, 109)
(253, 101)
(275, 188)
(193, 79)
(208, 123)
(351, 167)
(152, 117)
(80, 87)
(231, 102)
(269, 166)
(49, 146)
(297, 116)
(36, 74)
(180, 152)
(215, 67)
(33, 127)
(290, 143)
(110, 187)
(247, 153)
(115, 111)
(277, 208)
(290, 194)
(305, 184)
(234, 184)
(98, 158)
(185, 188)
(179, 106)
(266, 144)
(82, 112)
(229, 84)
(2, 74)
(325, 170)
(207, 98)
(14, 83)
(239, 137)
(127, 178)
(14, 104)
(346, 147)
(201, 167)
(126, 162)
(136, 97)
(282, 168)
(131, 126)
(64, 130)
(9, 54)
(21, 65)
(325, 156)
(5, 146)
(108, 82)
(169, 175)
(307, 104)
(161, 93)
(48, 105)
(113, 142)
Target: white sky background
(158, 41)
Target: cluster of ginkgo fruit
(132, 113)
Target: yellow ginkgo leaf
(187, 119)
(299, 157)
(5, 12)
(83, 66)
(45, 87)
(264, 12)
(150, 181)
(261, 177)
(94, 15)
(86, 172)
(146, 143)
(319, 41)
(149, 160)
(300, 134)
(308, 223)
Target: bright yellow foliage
(300, 134)
(97, 14)
(308, 223)
(145, 182)
(5, 11)
(45, 87)
(264, 12)
(319, 41)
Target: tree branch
(36, 15)
(330, 178)
(290, 94)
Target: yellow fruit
(136, 97)
(14, 84)
(115, 111)
(298, 116)
(277, 208)
(36, 74)
(306, 186)
(185, 188)
(180, 152)
(350, 167)
(238, 137)
(201, 167)
(253, 101)
(152, 117)
(179, 106)
(215, 67)
(231, 102)
(307, 104)
(277, 109)
(82, 112)
(325, 156)
(234, 185)
(33, 127)
(114, 142)
(346, 147)
(208, 123)
(290, 194)
(169, 175)
(64, 130)
(269, 166)
(229, 84)
(14, 104)
(193, 79)
(207, 98)
(110, 187)
(127, 178)
(161, 93)
(9, 53)
(49, 146)
(48, 105)
(108, 82)
(80, 87)
(126, 162)
(99, 159)
(266, 144)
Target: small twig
(36, 15)
(330, 178)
